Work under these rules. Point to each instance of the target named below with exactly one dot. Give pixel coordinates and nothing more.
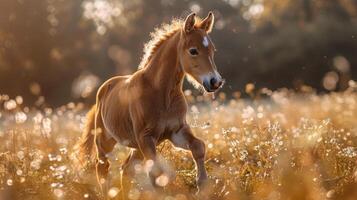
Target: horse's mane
(160, 34)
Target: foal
(144, 109)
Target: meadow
(274, 145)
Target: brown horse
(148, 107)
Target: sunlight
(254, 11)
(178, 99)
(103, 13)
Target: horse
(143, 109)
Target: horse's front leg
(147, 145)
(186, 140)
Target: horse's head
(196, 52)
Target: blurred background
(61, 50)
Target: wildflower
(36, 164)
(348, 152)
(59, 158)
(20, 117)
(46, 125)
(248, 112)
(243, 155)
(63, 150)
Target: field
(274, 145)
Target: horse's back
(111, 83)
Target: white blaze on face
(205, 41)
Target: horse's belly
(119, 126)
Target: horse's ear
(189, 22)
(207, 23)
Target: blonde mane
(159, 35)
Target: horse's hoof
(202, 180)
(202, 186)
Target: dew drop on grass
(9, 182)
(19, 172)
(162, 180)
(113, 192)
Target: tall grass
(276, 145)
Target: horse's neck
(164, 69)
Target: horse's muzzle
(213, 83)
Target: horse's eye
(193, 51)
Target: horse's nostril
(213, 81)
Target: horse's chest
(172, 124)
(176, 116)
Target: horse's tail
(85, 149)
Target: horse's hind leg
(104, 146)
(128, 170)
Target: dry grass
(282, 146)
